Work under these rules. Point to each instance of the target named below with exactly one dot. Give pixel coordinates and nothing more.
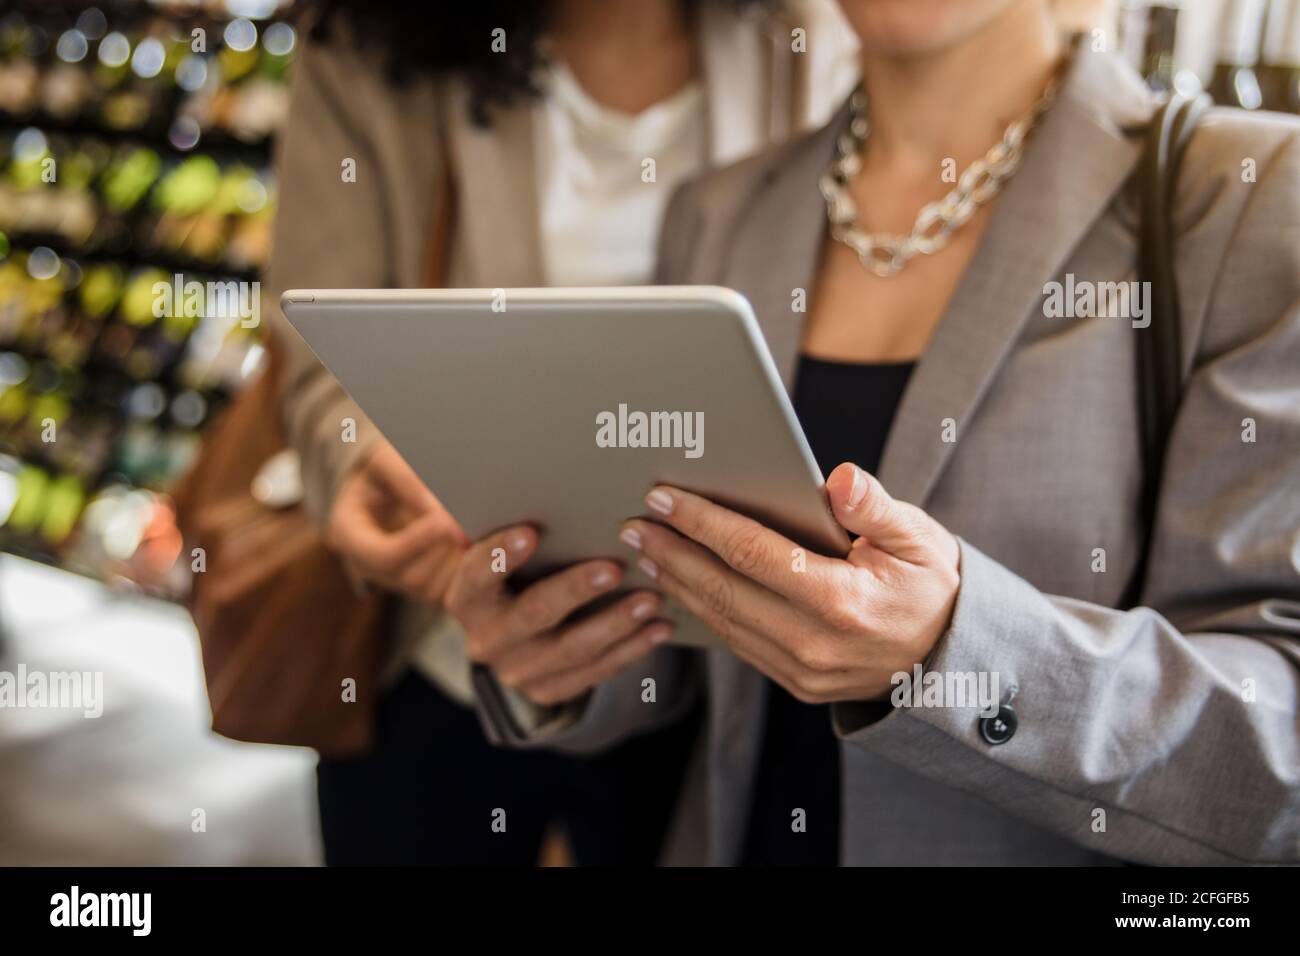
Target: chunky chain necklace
(886, 254)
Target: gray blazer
(1165, 734)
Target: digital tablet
(562, 407)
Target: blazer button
(999, 729)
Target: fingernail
(644, 608)
(602, 578)
(858, 490)
(661, 634)
(517, 542)
(631, 537)
(660, 501)
(648, 568)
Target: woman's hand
(825, 629)
(392, 531)
(527, 638)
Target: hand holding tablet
(539, 641)
(559, 409)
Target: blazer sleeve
(1167, 734)
(617, 709)
(329, 233)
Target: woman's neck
(956, 102)
(627, 54)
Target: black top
(845, 411)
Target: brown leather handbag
(282, 625)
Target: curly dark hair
(418, 36)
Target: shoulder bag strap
(1158, 347)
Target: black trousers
(431, 790)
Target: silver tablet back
(562, 407)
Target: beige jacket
(375, 232)
(1167, 734)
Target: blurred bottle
(1158, 56)
(64, 500)
(38, 507)
(242, 92)
(1234, 82)
(1279, 71)
(186, 224)
(23, 491)
(135, 89)
(22, 44)
(132, 342)
(126, 181)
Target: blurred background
(136, 143)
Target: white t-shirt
(604, 178)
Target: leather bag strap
(1158, 347)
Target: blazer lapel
(498, 221)
(773, 257)
(1075, 162)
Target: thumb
(863, 506)
(391, 470)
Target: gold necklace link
(886, 254)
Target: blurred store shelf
(135, 150)
(123, 788)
